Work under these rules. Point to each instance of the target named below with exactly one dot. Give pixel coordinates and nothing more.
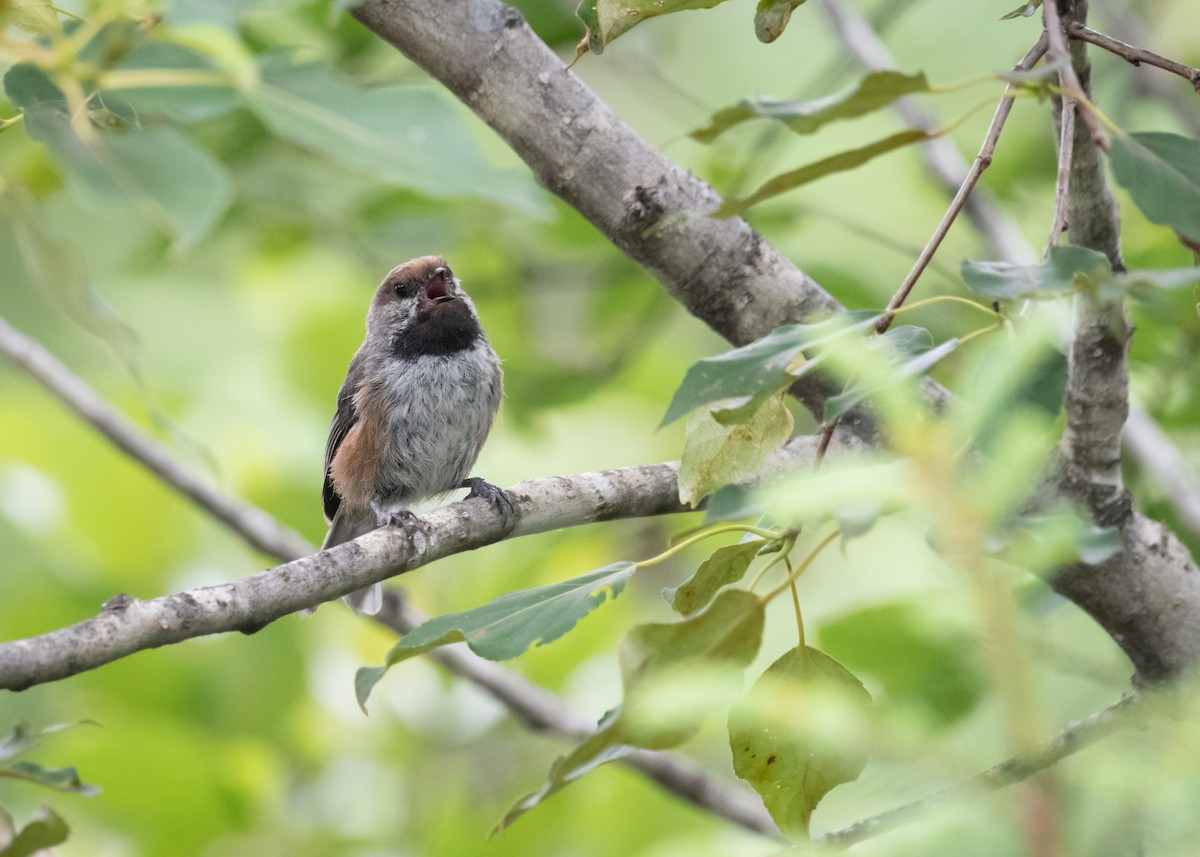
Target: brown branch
(1133, 54)
(1071, 84)
(982, 161)
(1062, 176)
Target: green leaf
(507, 626)
(761, 369)
(730, 503)
(874, 92)
(1162, 174)
(727, 565)
(607, 19)
(826, 166)
(61, 779)
(20, 739)
(921, 659)
(726, 635)
(771, 18)
(32, 16)
(791, 771)
(179, 188)
(409, 136)
(1166, 278)
(716, 454)
(45, 831)
(1022, 11)
(165, 94)
(836, 406)
(1069, 268)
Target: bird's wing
(345, 417)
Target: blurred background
(223, 320)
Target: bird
(419, 399)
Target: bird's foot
(389, 518)
(497, 498)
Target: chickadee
(417, 403)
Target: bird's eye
(403, 290)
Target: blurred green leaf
(728, 634)
(771, 18)
(607, 19)
(726, 565)
(1040, 543)
(848, 482)
(507, 626)
(409, 136)
(918, 657)
(876, 90)
(840, 162)
(762, 368)
(167, 71)
(37, 17)
(790, 773)
(20, 739)
(716, 454)
(45, 831)
(836, 406)
(1162, 174)
(175, 185)
(1068, 268)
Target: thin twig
(1072, 739)
(1062, 179)
(982, 161)
(1070, 78)
(1132, 53)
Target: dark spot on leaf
(771, 759)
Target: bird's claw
(497, 498)
(387, 518)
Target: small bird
(417, 403)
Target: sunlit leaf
(876, 90)
(1162, 174)
(727, 634)
(33, 16)
(607, 19)
(716, 454)
(409, 136)
(507, 626)
(771, 18)
(45, 831)
(760, 369)
(790, 771)
(1068, 268)
(826, 166)
(726, 565)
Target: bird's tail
(344, 528)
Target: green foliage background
(230, 348)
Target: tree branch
(1072, 739)
(127, 625)
(1132, 54)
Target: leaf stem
(796, 604)
(716, 531)
(778, 558)
(942, 298)
(965, 339)
(793, 575)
